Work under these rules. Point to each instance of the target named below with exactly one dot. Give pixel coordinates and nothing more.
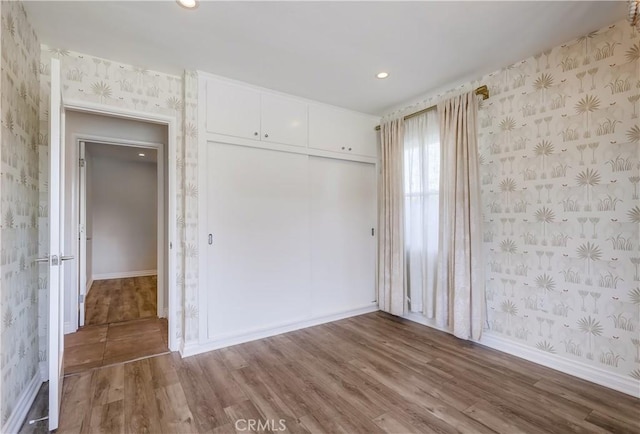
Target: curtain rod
(482, 91)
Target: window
(421, 189)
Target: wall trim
(123, 275)
(23, 405)
(191, 349)
(605, 378)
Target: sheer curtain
(421, 222)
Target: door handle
(66, 258)
(45, 259)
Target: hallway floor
(103, 345)
(117, 300)
(121, 325)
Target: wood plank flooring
(369, 374)
(102, 345)
(117, 300)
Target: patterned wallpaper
(559, 142)
(18, 205)
(107, 82)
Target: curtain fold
(460, 305)
(421, 227)
(390, 219)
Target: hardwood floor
(117, 300)
(368, 374)
(102, 345)
(121, 325)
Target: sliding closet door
(343, 249)
(258, 259)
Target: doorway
(119, 203)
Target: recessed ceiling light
(140, 154)
(189, 4)
(382, 74)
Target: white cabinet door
(232, 110)
(257, 264)
(343, 249)
(284, 120)
(337, 130)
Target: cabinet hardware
(266, 135)
(210, 239)
(373, 232)
(255, 133)
(343, 148)
(349, 148)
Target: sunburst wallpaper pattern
(559, 142)
(18, 205)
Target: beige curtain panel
(460, 282)
(390, 219)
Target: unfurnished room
(320, 216)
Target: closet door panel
(343, 212)
(258, 212)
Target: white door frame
(168, 245)
(80, 139)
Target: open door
(55, 259)
(82, 237)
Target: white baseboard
(576, 368)
(69, 328)
(23, 405)
(191, 349)
(124, 275)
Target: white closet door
(343, 250)
(258, 261)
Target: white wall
(123, 214)
(81, 125)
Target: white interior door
(343, 246)
(82, 235)
(56, 219)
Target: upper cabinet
(233, 110)
(339, 130)
(243, 112)
(284, 120)
(239, 111)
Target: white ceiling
(327, 51)
(120, 152)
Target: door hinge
(81, 298)
(82, 162)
